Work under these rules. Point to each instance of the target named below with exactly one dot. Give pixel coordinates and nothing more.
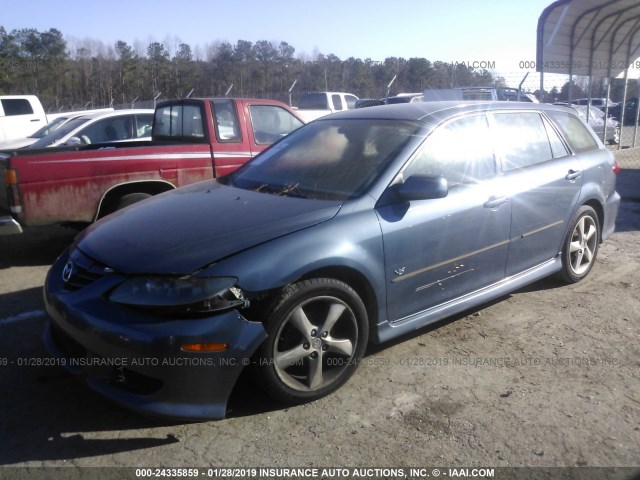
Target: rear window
(16, 106)
(576, 133)
(179, 121)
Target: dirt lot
(547, 376)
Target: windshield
(49, 127)
(60, 132)
(327, 159)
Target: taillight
(616, 167)
(11, 176)
(12, 190)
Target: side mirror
(73, 141)
(423, 187)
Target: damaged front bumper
(136, 358)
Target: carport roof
(599, 38)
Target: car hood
(18, 143)
(183, 230)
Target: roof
(112, 113)
(434, 111)
(589, 37)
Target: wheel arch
(110, 198)
(264, 299)
(599, 209)
(355, 280)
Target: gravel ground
(547, 376)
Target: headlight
(184, 295)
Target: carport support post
(606, 110)
(635, 124)
(624, 104)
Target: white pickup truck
(20, 115)
(314, 105)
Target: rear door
(543, 182)
(437, 250)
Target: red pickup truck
(193, 140)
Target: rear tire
(130, 199)
(581, 245)
(317, 332)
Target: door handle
(495, 202)
(573, 174)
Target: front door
(437, 250)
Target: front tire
(581, 245)
(317, 333)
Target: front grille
(84, 271)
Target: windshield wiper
(286, 191)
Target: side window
(144, 123)
(460, 151)
(522, 138)
(271, 123)
(557, 145)
(225, 119)
(16, 106)
(578, 136)
(111, 129)
(337, 102)
(351, 101)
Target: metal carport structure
(592, 38)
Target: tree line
(75, 74)
(88, 73)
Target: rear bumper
(9, 226)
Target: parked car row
(22, 116)
(48, 129)
(595, 118)
(615, 110)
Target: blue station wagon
(358, 227)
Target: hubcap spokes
(583, 245)
(315, 344)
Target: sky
(499, 32)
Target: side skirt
(388, 330)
